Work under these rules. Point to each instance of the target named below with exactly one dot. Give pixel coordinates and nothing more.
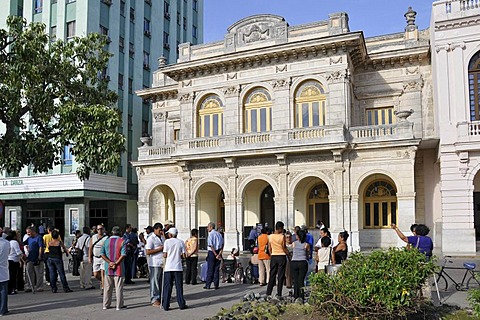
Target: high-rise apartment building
(139, 32)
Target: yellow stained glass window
(210, 117)
(380, 205)
(258, 111)
(310, 105)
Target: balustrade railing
(160, 151)
(205, 143)
(306, 134)
(374, 131)
(253, 138)
(474, 128)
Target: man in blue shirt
(309, 240)
(252, 238)
(35, 266)
(214, 257)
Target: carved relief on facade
(140, 171)
(187, 83)
(231, 76)
(463, 160)
(415, 85)
(306, 159)
(254, 33)
(158, 105)
(159, 116)
(187, 97)
(207, 166)
(337, 76)
(231, 91)
(411, 70)
(335, 60)
(256, 162)
(281, 84)
(195, 180)
(329, 173)
(282, 68)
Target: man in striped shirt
(113, 252)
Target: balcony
(468, 131)
(299, 140)
(452, 9)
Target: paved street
(87, 304)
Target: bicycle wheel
(239, 275)
(474, 281)
(441, 282)
(248, 274)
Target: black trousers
(299, 271)
(13, 270)
(191, 273)
(277, 267)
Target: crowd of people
(282, 257)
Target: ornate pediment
(254, 29)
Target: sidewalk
(87, 304)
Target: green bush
(474, 300)
(383, 284)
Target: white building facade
(455, 40)
(294, 123)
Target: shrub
(383, 284)
(474, 300)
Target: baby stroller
(232, 271)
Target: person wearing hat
(149, 231)
(173, 252)
(154, 252)
(167, 225)
(113, 253)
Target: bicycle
(469, 268)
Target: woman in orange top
(263, 258)
(278, 259)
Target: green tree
(51, 96)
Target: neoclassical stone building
(294, 123)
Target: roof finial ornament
(410, 15)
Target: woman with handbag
(299, 263)
(263, 258)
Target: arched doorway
(318, 206)
(380, 205)
(267, 207)
(210, 207)
(162, 204)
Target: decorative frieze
(334, 60)
(231, 76)
(415, 85)
(186, 98)
(463, 160)
(231, 91)
(282, 68)
(281, 84)
(450, 46)
(337, 76)
(159, 116)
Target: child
(324, 254)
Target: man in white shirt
(173, 252)
(83, 244)
(4, 275)
(154, 251)
(95, 255)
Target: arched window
(474, 86)
(318, 206)
(310, 105)
(258, 111)
(210, 117)
(380, 205)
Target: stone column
(282, 198)
(290, 223)
(355, 230)
(184, 216)
(281, 104)
(232, 227)
(187, 115)
(144, 217)
(240, 222)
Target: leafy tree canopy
(51, 96)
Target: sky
(373, 17)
